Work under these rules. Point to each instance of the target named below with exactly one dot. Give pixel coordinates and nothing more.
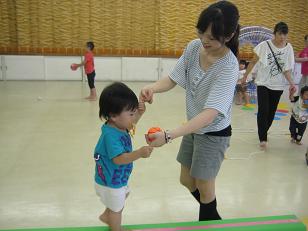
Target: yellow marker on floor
(283, 105)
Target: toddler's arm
(140, 111)
(126, 158)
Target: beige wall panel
(122, 25)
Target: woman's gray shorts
(203, 154)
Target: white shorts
(112, 198)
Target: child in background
(240, 89)
(114, 156)
(251, 86)
(302, 58)
(299, 117)
(88, 64)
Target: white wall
(166, 66)
(58, 68)
(25, 67)
(140, 69)
(297, 73)
(2, 67)
(108, 68)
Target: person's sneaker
(292, 140)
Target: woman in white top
(276, 60)
(208, 71)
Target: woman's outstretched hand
(156, 139)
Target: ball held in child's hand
(74, 66)
(152, 131)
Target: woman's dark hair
(304, 89)
(224, 17)
(281, 27)
(116, 98)
(90, 45)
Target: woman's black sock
(196, 195)
(208, 211)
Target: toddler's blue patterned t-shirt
(112, 142)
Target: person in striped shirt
(208, 71)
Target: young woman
(208, 71)
(276, 60)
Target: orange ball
(153, 130)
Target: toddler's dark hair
(306, 37)
(304, 89)
(90, 45)
(116, 98)
(224, 17)
(281, 27)
(242, 61)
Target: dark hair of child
(90, 45)
(115, 99)
(243, 62)
(304, 89)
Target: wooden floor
(48, 133)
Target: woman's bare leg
(187, 180)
